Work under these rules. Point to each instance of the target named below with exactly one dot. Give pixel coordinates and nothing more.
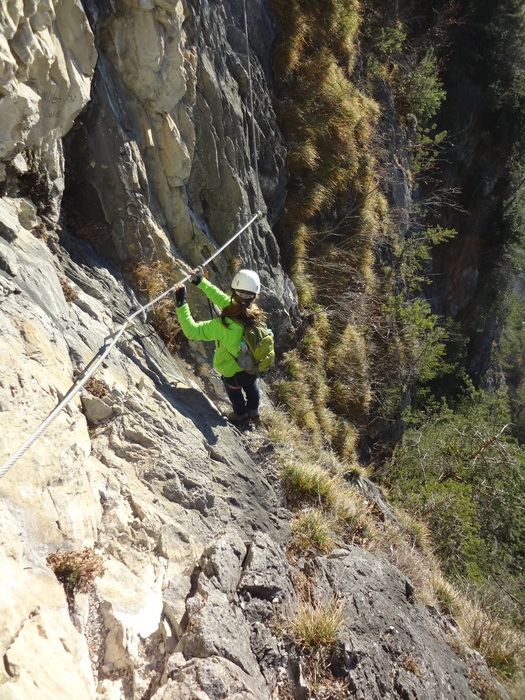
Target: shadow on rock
(196, 406)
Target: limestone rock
(36, 626)
(15, 214)
(394, 648)
(266, 573)
(47, 58)
(216, 629)
(208, 679)
(177, 80)
(109, 483)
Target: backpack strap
(239, 323)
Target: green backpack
(256, 352)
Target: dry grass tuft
(313, 476)
(348, 373)
(502, 646)
(483, 686)
(419, 566)
(516, 687)
(449, 600)
(416, 532)
(352, 511)
(317, 624)
(302, 157)
(314, 527)
(294, 394)
(281, 429)
(307, 482)
(96, 387)
(76, 571)
(355, 473)
(152, 279)
(343, 438)
(69, 292)
(411, 664)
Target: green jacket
(228, 338)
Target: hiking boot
(237, 418)
(253, 415)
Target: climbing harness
(95, 364)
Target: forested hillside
(403, 232)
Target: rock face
(47, 62)
(141, 465)
(393, 647)
(150, 473)
(171, 107)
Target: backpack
(256, 352)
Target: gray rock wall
(171, 108)
(150, 473)
(144, 473)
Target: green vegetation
(446, 80)
(419, 90)
(461, 472)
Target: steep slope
(186, 512)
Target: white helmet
(247, 281)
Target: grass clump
(501, 644)
(311, 392)
(313, 527)
(152, 279)
(76, 570)
(317, 623)
(351, 511)
(348, 373)
(96, 387)
(306, 482)
(390, 540)
(449, 599)
(327, 120)
(315, 481)
(416, 532)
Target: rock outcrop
(171, 109)
(184, 510)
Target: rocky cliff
(125, 137)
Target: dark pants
(239, 385)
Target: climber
(241, 387)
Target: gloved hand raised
(197, 275)
(180, 294)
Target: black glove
(196, 277)
(180, 296)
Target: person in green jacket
(241, 387)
